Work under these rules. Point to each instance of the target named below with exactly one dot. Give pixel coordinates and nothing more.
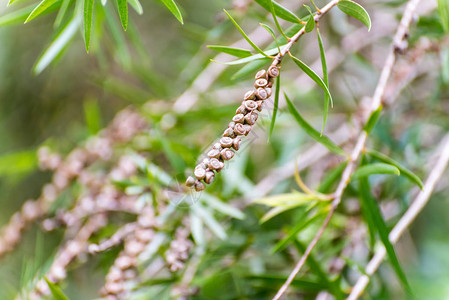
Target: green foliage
(88, 12)
(355, 10)
(327, 99)
(279, 10)
(443, 10)
(56, 291)
(174, 9)
(276, 105)
(372, 120)
(40, 8)
(375, 168)
(238, 52)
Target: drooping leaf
(375, 168)
(276, 105)
(331, 177)
(238, 52)
(309, 72)
(325, 78)
(16, 16)
(123, 12)
(62, 12)
(57, 45)
(324, 140)
(287, 200)
(404, 171)
(271, 32)
(380, 227)
(278, 26)
(443, 10)
(310, 25)
(223, 207)
(244, 35)
(40, 8)
(173, 8)
(280, 11)
(355, 10)
(56, 291)
(273, 213)
(251, 58)
(372, 120)
(210, 221)
(88, 13)
(136, 6)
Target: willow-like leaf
(62, 13)
(88, 12)
(244, 35)
(123, 12)
(16, 16)
(271, 32)
(355, 10)
(238, 52)
(375, 168)
(325, 78)
(251, 58)
(276, 105)
(273, 13)
(56, 291)
(40, 8)
(372, 120)
(309, 72)
(288, 200)
(136, 6)
(324, 140)
(404, 171)
(174, 9)
(280, 11)
(310, 25)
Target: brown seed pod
(229, 132)
(227, 154)
(215, 164)
(216, 146)
(269, 92)
(190, 181)
(226, 142)
(247, 128)
(259, 105)
(239, 117)
(231, 125)
(249, 95)
(210, 176)
(200, 172)
(214, 153)
(241, 110)
(251, 118)
(240, 129)
(199, 186)
(262, 94)
(260, 83)
(237, 143)
(250, 105)
(205, 161)
(202, 165)
(262, 74)
(273, 71)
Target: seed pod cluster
(245, 117)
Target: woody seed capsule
(261, 74)
(200, 172)
(199, 186)
(236, 143)
(239, 117)
(262, 94)
(227, 154)
(240, 129)
(215, 164)
(210, 176)
(226, 142)
(216, 146)
(250, 105)
(251, 118)
(259, 105)
(247, 128)
(190, 181)
(229, 132)
(269, 91)
(241, 110)
(214, 153)
(231, 125)
(250, 95)
(260, 83)
(273, 71)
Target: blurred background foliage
(158, 59)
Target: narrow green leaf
(310, 25)
(380, 226)
(306, 69)
(88, 13)
(121, 48)
(251, 58)
(367, 215)
(173, 8)
(223, 207)
(404, 171)
(292, 233)
(197, 229)
(17, 16)
(61, 13)
(372, 120)
(276, 105)
(136, 6)
(271, 32)
(375, 168)
(331, 177)
(123, 12)
(287, 200)
(443, 10)
(324, 140)
(325, 78)
(238, 52)
(56, 291)
(355, 10)
(273, 13)
(17, 163)
(174, 158)
(244, 35)
(250, 68)
(57, 45)
(40, 8)
(92, 114)
(210, 221)
(280, 11)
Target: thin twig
(360, 144)
(409, 216)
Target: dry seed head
(269, 91)
(237, 143)
(239, 117)
(190, 181)
(199, 173)
(226, 142)
(273, 71)
(214, 153)
(210, 176)
(250, 95)
(229, 132)
(251, 118)
(199, 186)
(217, 146)
(250, 105)
(247, 129)
(240, 129)
(259, 105)
(262, 74)
(241, 110)
(227, 154)
(262, 94)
